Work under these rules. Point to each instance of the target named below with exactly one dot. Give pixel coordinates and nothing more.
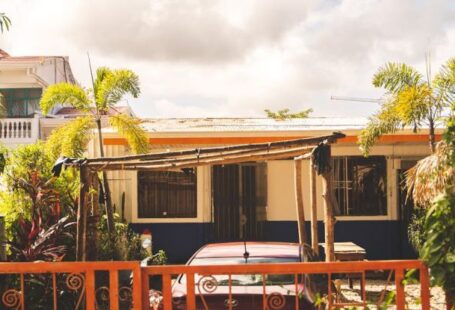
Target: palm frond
(64, 93)
(413, 104)
(71, 139)
(130, 128)
(386, 121)
(429, 177)
(396, 76)
(5, 22)
(444, 84)
(101, 74)
(113, 85)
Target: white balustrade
(19, 130)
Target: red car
(247, 289)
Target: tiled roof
(252, 124)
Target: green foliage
(284, 114)
(5, 22)
(395, 77)
(27, 176)
(112, 85)
(385, 121)
(64, 93)
(438, 250)
(130, 128)
(415, 228)
(128, 245)
(71, 139)
(409, 101)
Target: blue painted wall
(381, 239)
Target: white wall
(280, 177)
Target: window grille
(167, 194)
(360, 185)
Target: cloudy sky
(211, 58)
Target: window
(167, 194)
(22, 102)
(360, 185)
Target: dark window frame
(22, 102)
(352, 183)
(167, 194)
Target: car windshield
(244, 279)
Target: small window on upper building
(22, 102)
(167, 194)
(360, 185)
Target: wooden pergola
(315, 149)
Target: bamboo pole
(81, 238)
(265, 155)
(314, 210)
(198, 151)
(299, 201)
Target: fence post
(399, 275)
(145, 289)
(424, 287)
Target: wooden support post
(314, 209)
(329, 219)
(81, 240)
(299, 201)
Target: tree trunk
(107, 193)
(329, 219)
(81, 238)
(299, 201)
(431, 135)
(314, 210)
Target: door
(239, 201)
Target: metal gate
(239, 201)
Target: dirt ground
(375, 288)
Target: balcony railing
(126, 285)
(19, 130)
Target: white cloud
(235, 58)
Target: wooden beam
(192, 158)
(258, 156)
(329, 219)
(314, 210)
(299, 201)
(268, 145)
(81, 238)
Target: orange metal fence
(201, 282)
(126, 285)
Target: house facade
(22, 82)
(184, 209)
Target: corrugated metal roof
(252, 124)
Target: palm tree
(109, 87)
(5, 22)
(410, 100)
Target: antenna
(91, 71)
(343, 98)
(246, 254)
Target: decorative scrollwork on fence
(276, 301)
(102, 297)
(12, 299)
(125, 294)
(206, 284)
(76, 282)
